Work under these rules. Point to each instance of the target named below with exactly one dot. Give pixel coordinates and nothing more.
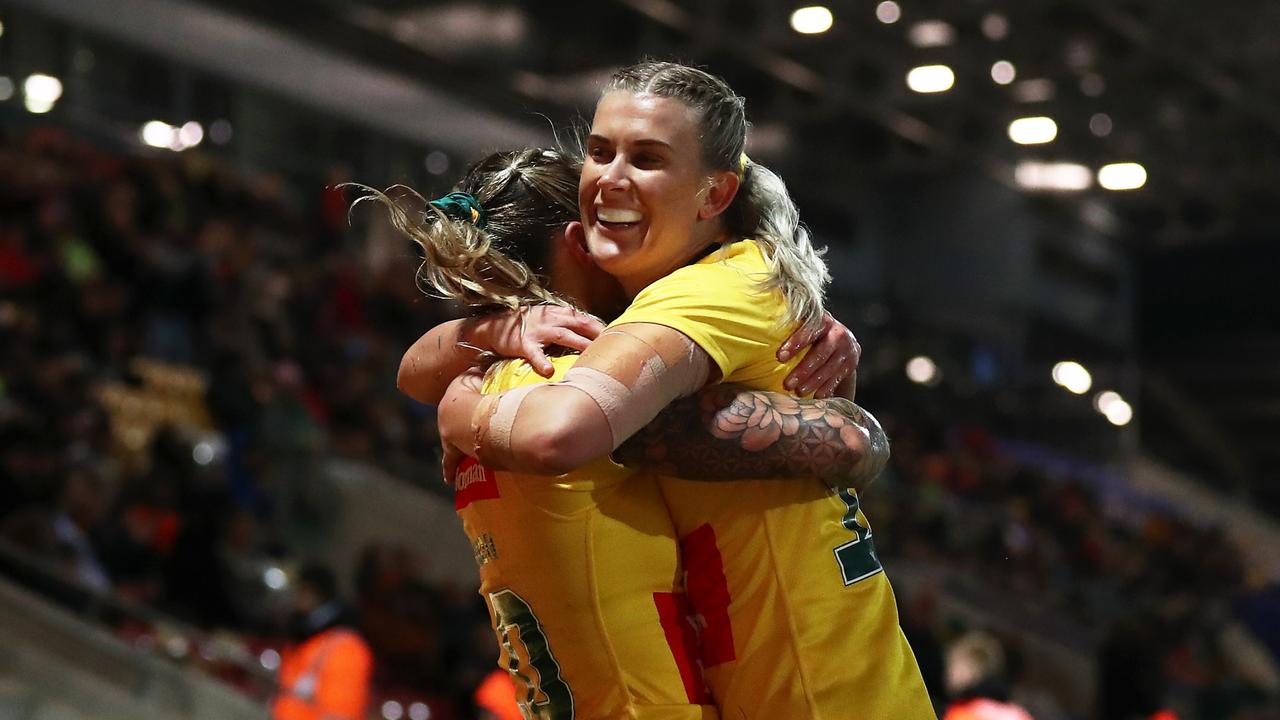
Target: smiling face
(648, 203)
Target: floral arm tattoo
(727, 432)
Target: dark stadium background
(198, 347)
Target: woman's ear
(721, 191)
(575, 240)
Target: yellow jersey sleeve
(719, 304)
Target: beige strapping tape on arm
(494, 419)
(626, 407)
(630, 407)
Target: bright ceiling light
(1003, 72)
(6, 88)
(41, 92)
(1119, 413)
(190, 134)
(922, 370)
(995, 26)
(1062, 176)
(931, 33)
(42, 88)
(1122, 176)
(158, 134)
(1072, 376)
(811, 20)
(931, 79)
(1104, 399)
(1033, 130)
(888, 12)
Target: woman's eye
(647, 160)
(599, 154)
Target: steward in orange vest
(325, 673)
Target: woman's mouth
(618, 218)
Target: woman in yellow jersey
(581, 574)
(797, 618)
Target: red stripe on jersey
(682, 638)
(709, 594)
(474, 482)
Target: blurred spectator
(976, 681)
(325, 672)
(64, 533)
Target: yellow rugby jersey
(582, 578)
(797, 617)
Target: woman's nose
(614, 176)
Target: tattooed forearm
(727, 432)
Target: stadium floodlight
(1059, 176)
(888, 12)
(931, 79)
(1033, 130)
(1073, 376)
(812, 20)
(1003, 72)
(1119, 413)
(1104, 399)
(1122, 176)
(923, 370)
(190, 134)
(41, 92)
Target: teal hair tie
(462, 207)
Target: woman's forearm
(558, 430)
(727, 432)
(435, 359)
(618, 385)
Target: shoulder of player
(738, 266)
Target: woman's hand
(448, 349)
(832, 360)
(526, 332)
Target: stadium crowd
(297, 323)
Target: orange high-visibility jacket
(325, 678)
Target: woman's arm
(448, 349)
(623, 380)
(727, 432)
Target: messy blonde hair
(763, 209)
(527, 195)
